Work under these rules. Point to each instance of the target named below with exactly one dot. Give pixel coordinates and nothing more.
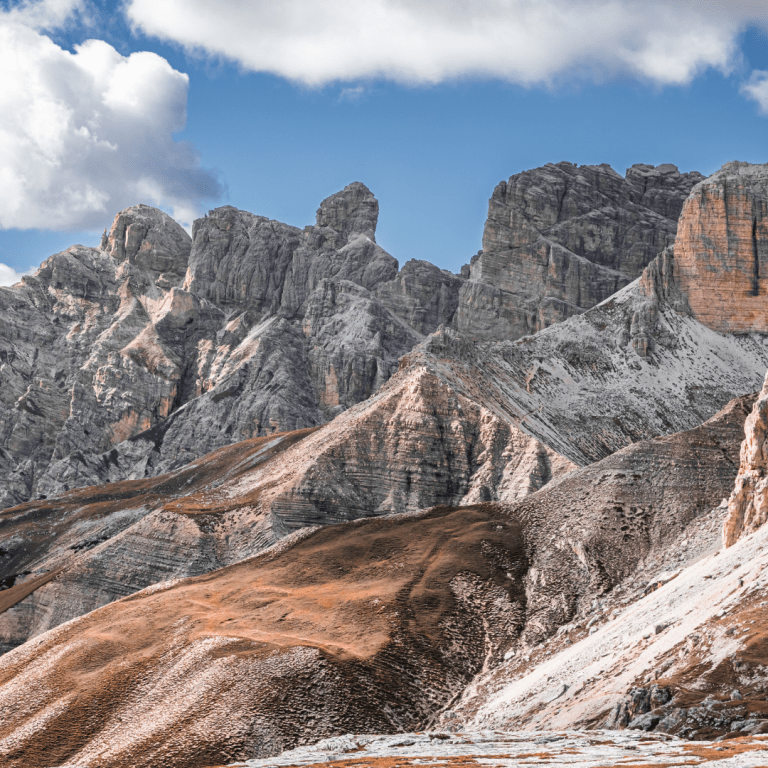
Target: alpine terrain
(271, 499)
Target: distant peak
(353, 211)
(149, 237)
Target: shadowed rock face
(134, 358)
(562, 238)
(722, 249)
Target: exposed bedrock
(561, 238)
(373, 625)
(748, 503)
(155, 348)
(414, 444)
(721, 252)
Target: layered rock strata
(134, 358)
(460, 423)
(562, 238)
(631, 368)
(722, 249)
(373, 625)
(414, 444)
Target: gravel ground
(593, 749)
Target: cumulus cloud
(756, 88)
(44, 14)
(9, 276)
(85, 134)
(418, 41)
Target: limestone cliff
(562, 238)
(722, 249)
(748, 503)
(132, 359)
(136, 357)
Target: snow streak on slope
(629, 369)
(580, 685)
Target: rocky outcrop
(423, 295)
(248, 261)
(134, 358)
(629, 369)
(748, 503)
(722, 249)
(562, 238)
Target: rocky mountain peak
(353, 211)
(151, 240)
(562, 238)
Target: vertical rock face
(136, 357)
(562, 238)
(722, 249)
(748, 504)
(423, 295)
(239, 259)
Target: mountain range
(263, 487)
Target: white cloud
(429, 41)
(85, 134)
(756, 88)
(44, 14)
(9, 276)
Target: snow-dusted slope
(631, 368)
(684, 637)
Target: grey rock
(561, 238)
(134, 358)
(423, 295)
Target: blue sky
(290, 113)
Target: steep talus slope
(689, 658)
(460, 423)
(413, 445)
(572, 434)
(367, 626)
(561, 238)
(363, 627)
(131, 359)
(629, 369)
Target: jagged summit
(353, 211)
(570, 574)
(252, 325)
(562, 238)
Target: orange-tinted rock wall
(721, 252)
